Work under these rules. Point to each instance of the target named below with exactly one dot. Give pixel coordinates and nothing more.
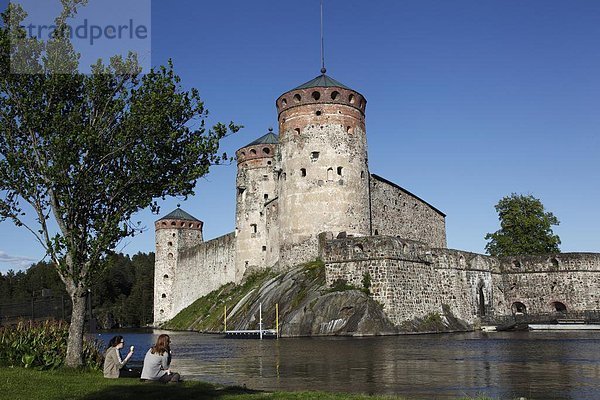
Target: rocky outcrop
(306, 307)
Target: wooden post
(260, 320)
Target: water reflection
(503, 365)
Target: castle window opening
(351, 99)
(319, 112)
(554, 262)
(166, 276)
(334, 95)
(265, 177)
(284, 176)
(170, 255)
(518, 308)
(266, 150)
(253, 152)
(173, 235)
(330, 174)
(253, 228)
(405, 248)
(516, 264)
(376, 232)
(266, 196)
(269, 162)
(162, 311)
(316, 95)
(243, 153)
(297, 98)
(314, 156)
(173, 223)
(559, 307)
(302, 172)
(362, 104)
(164, 224)
(283, 102)
(264, 248)
(362, 174)
(348, 129)
(340, 171)
(164, 296)
(297, 130)
(191, 225)
(170, 243)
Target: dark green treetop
(525, 228)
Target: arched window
(340, 171)
(518, 308)
(559, 307)
(330, 174)
(316, 95)
(303, 172)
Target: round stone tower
(175, 231)
(324, 182)
(255, 186)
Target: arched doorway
(481, 302)
(557, 306)
(518, 308)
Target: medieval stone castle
(307, 193)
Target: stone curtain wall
(202, 269)
(411, 280)
(570, 278)
(397, 212)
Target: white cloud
(9, 261)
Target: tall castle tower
(256, 185)
(175, 231)
(324, 182)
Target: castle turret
(256, 186)
(175, 231)
(324, 177)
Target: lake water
(534, 365)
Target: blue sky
(468, 101)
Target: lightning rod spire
(323, 69)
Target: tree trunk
(74, 357)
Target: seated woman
(112, 358)
(157, 362)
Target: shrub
(366, 281)
(42, 346)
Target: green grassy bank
(26, 384)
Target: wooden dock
(252, 334)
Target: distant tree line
(122, 294)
